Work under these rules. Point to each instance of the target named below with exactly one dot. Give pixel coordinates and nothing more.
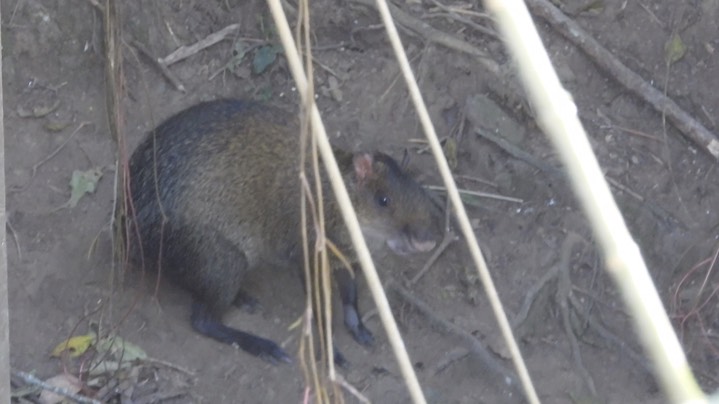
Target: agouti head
(392, 206)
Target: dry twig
(169, 365)
(688, 126)
(161, 396)
(184, 52)
(449, 237)
(458, 15)
(473, 344)
(343, 199)
(436, 36)
(595, 324)
(351, 389)
(478, 193)
(449, 358)
(31, 379)
(556, 173)
(461, 213)
(161, 66)
(15, 238)
(56, 151)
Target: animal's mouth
(409, 245)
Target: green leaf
(121, 349)
(264, 57)
(674, 49)
(83, 182)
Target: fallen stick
(184, 52)
(473, 344)
(158, 62)
(437, 36)
(687, 125)
(449, 237)
(473, 115)
(34, 381)
(500, 80)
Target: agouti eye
(382, 200)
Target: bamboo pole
(348, 213)
(557, 116)
(4, 311)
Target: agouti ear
(363, 166)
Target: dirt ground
(60, 258)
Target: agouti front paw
(362, 335)
(354, 325)
(340, 359)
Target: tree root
(569, 305)
(473, 344)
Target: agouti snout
(215, 193)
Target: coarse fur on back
(215, 192)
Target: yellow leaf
(75, 345)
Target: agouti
(214, 193)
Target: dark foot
(354, 325)
(267, 350)
(205, 323)
(353, 320)
(247, 303)
(340, 359)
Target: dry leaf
(64, 381)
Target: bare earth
(60, 258)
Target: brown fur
(227, 176)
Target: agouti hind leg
(212, 268)
(205, 322)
